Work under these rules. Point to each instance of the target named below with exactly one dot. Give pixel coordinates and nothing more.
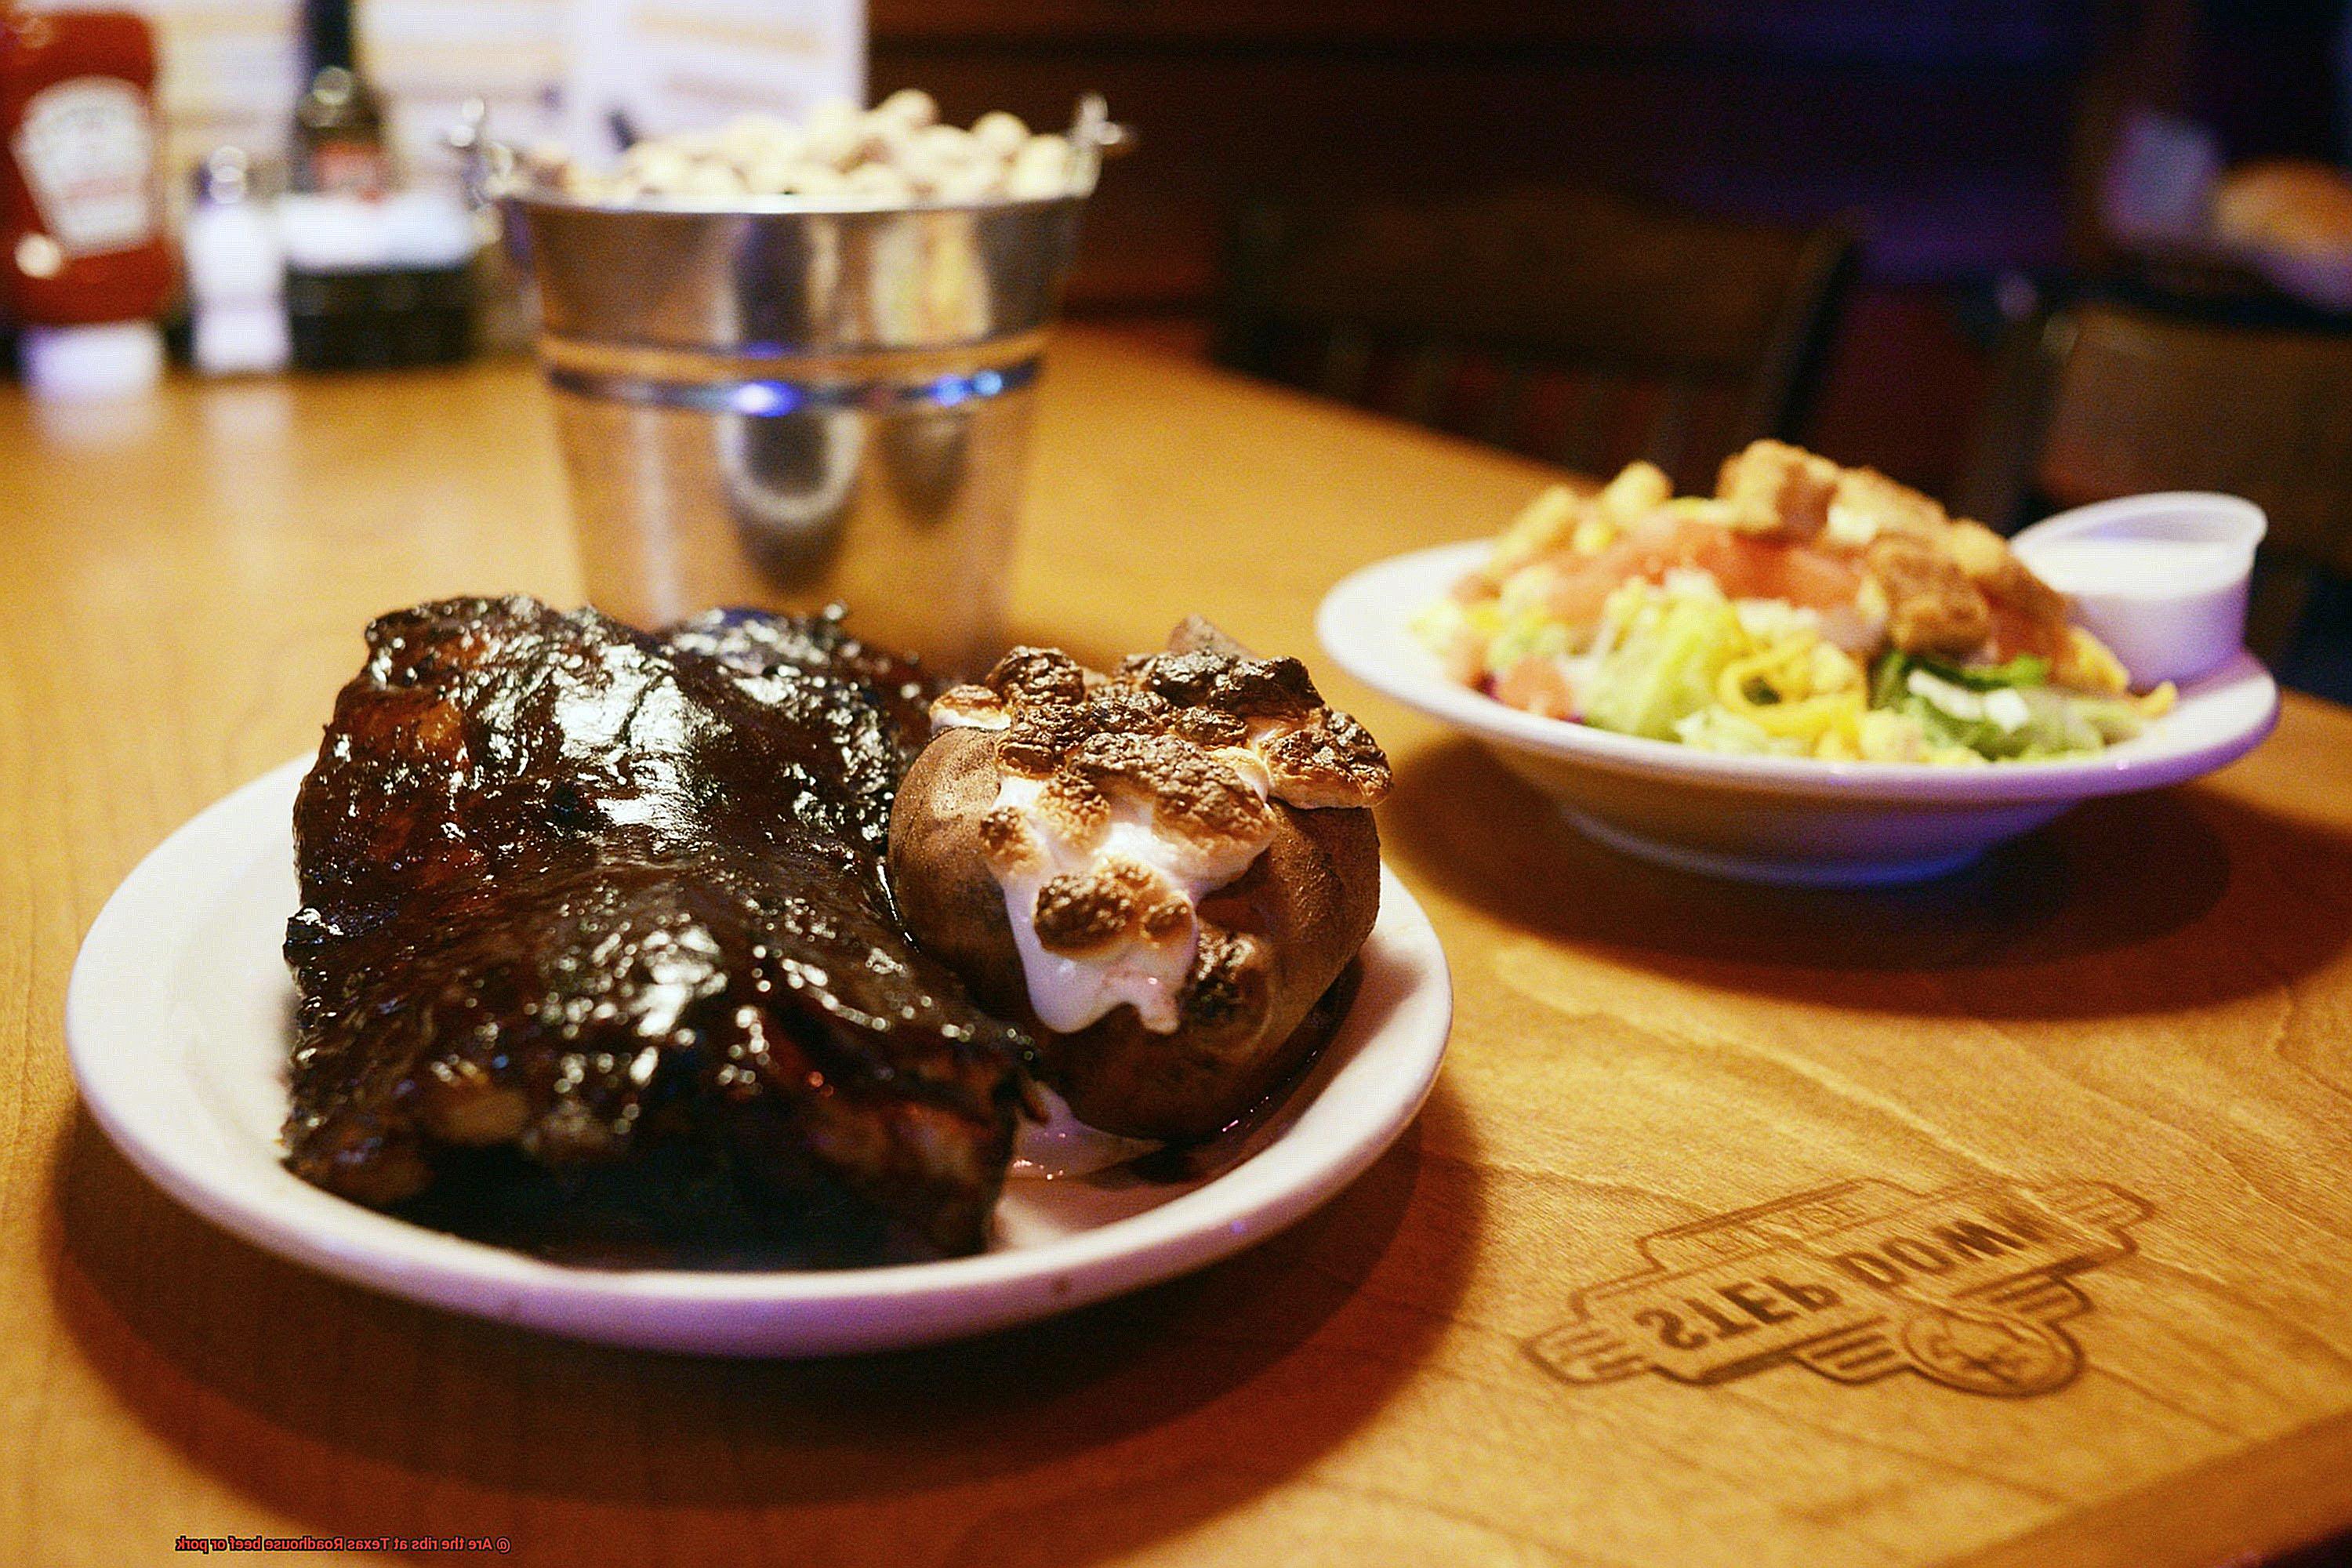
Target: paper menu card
(658, 66)
(572, 70)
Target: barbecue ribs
(595, 954)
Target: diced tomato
(1747, 567)
(1577, 597)
(1535, 685)
(1743, 565)
(1817, 580)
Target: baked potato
(1161, 872)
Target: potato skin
(946, 894)
(1309, 901)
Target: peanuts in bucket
(897, 151)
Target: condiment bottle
(339, 146)
(82, 248)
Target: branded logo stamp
(1965, 1287)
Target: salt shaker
(237, 273)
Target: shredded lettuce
(1718, 729)
(1887, 681)
(2007, 712)
(1662, 665)
(1525, 636)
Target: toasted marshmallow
(1110, 916)
(969, 708)
(1125, 800)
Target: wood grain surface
(2073, 1127)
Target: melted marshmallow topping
(1124, 800)
(1056, 1145)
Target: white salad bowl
(1790, 820)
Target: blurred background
(1966, 144)
(1992, 169)
(2018, 253)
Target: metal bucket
(788, 407)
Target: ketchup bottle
(85, 260)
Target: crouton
(1867, 503)
(1993, 567)
(1931, 605)
(1789, 483)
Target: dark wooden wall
(1947, 127)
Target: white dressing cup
(2160, 579)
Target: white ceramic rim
(1363, 623)
(119, 991)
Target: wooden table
(2122, 1048)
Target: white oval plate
(178, 1020)
(1773, 819)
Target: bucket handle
(1094, 136)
